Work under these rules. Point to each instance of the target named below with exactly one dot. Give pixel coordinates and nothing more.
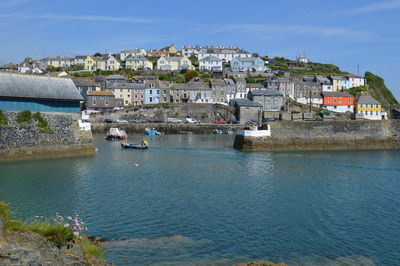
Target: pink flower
(66, 225)
(76, 233)
(69, 218)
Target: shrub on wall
(24, 117)
(3, 119)
(42, 124)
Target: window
(151, 99)
(335, 107)
(158, 91)
(135, 96)
(151, 91)
(165, 92)
(94, 102)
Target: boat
(217, 132)
(116, 134)
(151, 132)
(229, 131)
(133, 146)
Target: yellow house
(369, 108)
(174, 63)
(170, 49)
(123, 90)
(90, 63)
(138, 62)
(108, 62)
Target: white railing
(255, 133)
(84, 126)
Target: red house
(337, 101)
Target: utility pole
(358, 70)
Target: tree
(28, 59)
(191, 74)
(194, 60)
(97, 54)
(255, 55)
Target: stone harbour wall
(26, 141)
(165, 128)
(325, 135)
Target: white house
(210, 63)
(79, 60)
(62, 62)
(225, 54)
(135, 52)
(355, 81)
(248, 64)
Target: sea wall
(164, 127)
(325, 135)
(26, 141)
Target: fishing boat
(116, 134)
(133, 146)
(151, 132)
(217, 132)
(229, 131)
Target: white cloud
(80, 18)
(11, 3)
(388, 5)
(288, 31)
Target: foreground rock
(28, 248)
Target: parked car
(138, 120)
(231, 121)
(108, 121)
(156, 121)
(173, 120)
(122, 121)
(218, 122)
(191, 121)
(270, 119)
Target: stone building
(85, 86)
(219, 91)
(100, 101)
(270, 100)
(246, 110)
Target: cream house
(174, 63)
(138, 62)
(108, 62)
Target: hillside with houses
(258, 87)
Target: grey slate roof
(266, 93)
(247, 59)
(244, 103)
(336, 94)
(137, 58)
(211, 58)
(37, 87)
(80, 82)
(367, 100)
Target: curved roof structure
(37, 87)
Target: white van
(191, 121)
(173, 120)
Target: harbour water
(193, 200)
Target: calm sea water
(193, 200)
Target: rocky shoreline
(29, 248)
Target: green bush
(90, 249)
(42, 124)
(4, 212)
(3, 119)
(24, 117)
(377, 83)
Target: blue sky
(345, 33)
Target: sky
(364, 33)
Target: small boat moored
(134, 146)
(217, 132)
(116, 134)
(151, 132)
(229, 131)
